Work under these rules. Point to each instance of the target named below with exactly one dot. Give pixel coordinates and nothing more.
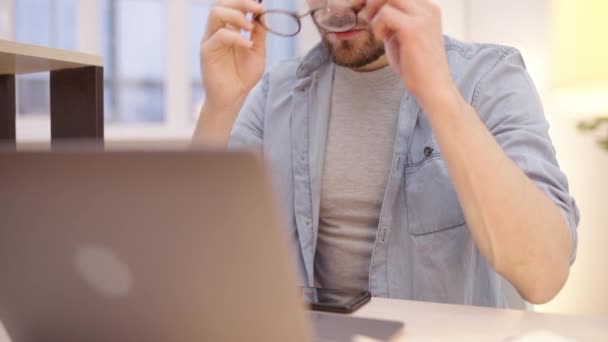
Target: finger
(407, 6)
(221, 17)
(225, 38)
(245, 6)
(389, 20)
(372, 7)
(258, 37)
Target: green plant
(594, 126)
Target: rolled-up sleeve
(248, 130)
(508, 102)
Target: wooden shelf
(76, 89)
(18, 58)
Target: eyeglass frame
(298, 17)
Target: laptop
(148, 246)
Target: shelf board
(17, 59)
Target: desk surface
(441, 322)
(17, 58)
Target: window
(46, 22)
(133, 45)
(42, 22)
(199, 12)
(149, 91)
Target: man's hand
(231, 66)
(412, 33)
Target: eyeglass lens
(281, 23)
(336, 19)
(332, 19)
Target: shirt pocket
(431, 200)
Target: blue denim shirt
(424, 250)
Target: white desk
(441, 322)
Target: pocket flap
(431, 200)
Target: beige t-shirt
(358, 159)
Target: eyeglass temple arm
(302, 15)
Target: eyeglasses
(288, 24)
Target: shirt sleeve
(248, 130)
(508, 102)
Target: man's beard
(355, 53)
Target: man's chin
(356, 52)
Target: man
(410, 164)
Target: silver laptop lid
(143, 246)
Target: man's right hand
(231, 64)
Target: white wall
(6, 19)
(455, 17)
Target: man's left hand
(413, 37)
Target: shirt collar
(313, 60)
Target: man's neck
(373, 66)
